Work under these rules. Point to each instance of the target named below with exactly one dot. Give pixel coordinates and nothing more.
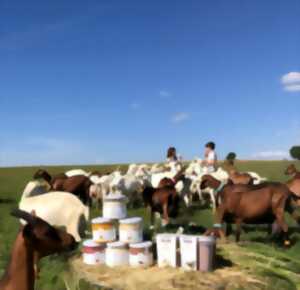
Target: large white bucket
(167, 245)
(131, 230)
(188, 252)
(103, 230)
(141, 254)
(117, 254)
(93, 253)
(115, 207)
(206, 252)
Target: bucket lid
(115, 197)
(184, 237)
(133, 220)
(166, 235)
(101, 220)
(92, 244)
(117, 245)
(209, 239)
(142, 245)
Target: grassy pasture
(279, 268)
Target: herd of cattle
(64, 199)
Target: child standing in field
(210, 157)
(171, 154)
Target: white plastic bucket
(103, 230)
(116, 254)
(167, 245)
(188, 252)
(115, 207)
(93, 253)
(131, 230)
(141, 254)
(206, 252)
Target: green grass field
(279, 267)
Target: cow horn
(18, 213)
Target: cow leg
(275, 228)
(152, 217)
(228, 229)
(200, 193)
(186, 200)
(190, 198)
(213, 199)
(219, 218)
(165, 213)
(283, 225)
(220, 214)
(238, 223)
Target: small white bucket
(103, 230)
(131, 230)
(141, 254)
(115, 207)
(188, 252)
(207, 252)
(117, 254)
(93, 253)
(167, 250)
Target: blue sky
(120, 81)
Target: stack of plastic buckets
(120, 247)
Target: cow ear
(28, 233)
(33, 213)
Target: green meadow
(277, 267)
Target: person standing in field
(210, 157)
(171, 154)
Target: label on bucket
(166, 250)
(188, 252)
(116, 257)
(104, 235)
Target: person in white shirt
(210, 157)
(171, 154)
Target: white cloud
(135, 106)
(291, 81)
(271, 154)
(292, 88)
(180, 117)
(165, 94)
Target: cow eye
(52, 233)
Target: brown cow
(35, 238)
(292, 171)
(172, 181)
(255, 204)
(294, 186)
(162, 200)
(294, 183)
(43, 174)
(240, 178)
(79, 185)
